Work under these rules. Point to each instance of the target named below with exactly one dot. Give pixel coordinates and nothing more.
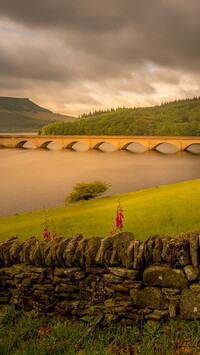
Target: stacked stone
(125, 280)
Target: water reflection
(167, 148)
(34, 178)
(28, 145)
(53, 146)
(194, 148)
(164, 148)
(79, 147)
(136, 148)
(107, 147)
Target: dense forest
(178, 118)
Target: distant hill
(22, 115)
(177, 118)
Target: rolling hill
(178, 118)
(22, 115)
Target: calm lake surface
(32, 179)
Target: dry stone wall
(123, 279)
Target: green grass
(25, 334)
(169, 209)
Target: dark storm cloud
(31, 65)
(102, 48)
(79, 14)
(169, 24)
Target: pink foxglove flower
(46, 234)
(119, 217)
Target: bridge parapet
(94, 142)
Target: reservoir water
(32, 179)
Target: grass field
(169, 209)
(23, 334)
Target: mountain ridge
(22, 114)
(20, 104)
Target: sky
(76, 56)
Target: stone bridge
(94, 142)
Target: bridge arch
(139, 146)
(71, 144)
(110, 145)
(97, 145)
(170, 147)
(194, 146)
(47, 145)
(21, 144)
(80, 145)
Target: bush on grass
(86, 191)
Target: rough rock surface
(125, 280)
(190, 304)
(165, 276)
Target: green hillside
(21, 114)
(178, 118)
(20, 104)
(169, 209)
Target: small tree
(87, 191)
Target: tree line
(178, 118)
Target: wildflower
(119, 217)
(113, 230)
(46, 234)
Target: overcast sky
(75, 56)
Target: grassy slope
(28, 121)
(168, 209)
(18, 114)
(20, 122)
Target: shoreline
(167, 209)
